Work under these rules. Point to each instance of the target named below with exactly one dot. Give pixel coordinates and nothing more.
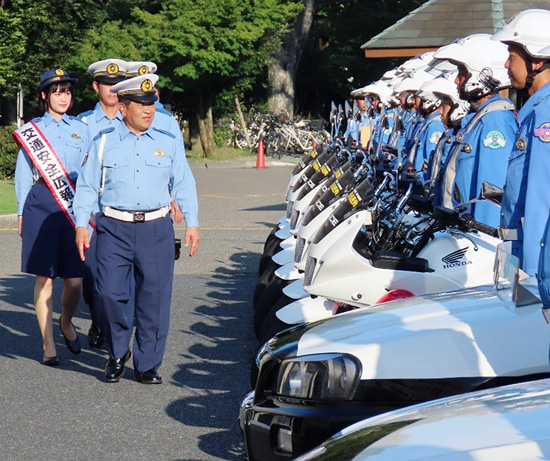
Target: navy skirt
(48, 238)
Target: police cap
(135, 68)
(139, 89)
(55, 76)
(108, 71)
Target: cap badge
(147, 86)
(159, 153)
(112, 69)
(59, 72)
(143, 70)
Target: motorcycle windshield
(358, 199)
(306, 160)
(310, 171)
(329, 194)
(324, 171)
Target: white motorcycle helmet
(530, 30)
(444, 87)
(484, 60)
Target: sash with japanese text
(48, 164)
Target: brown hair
(44, 104)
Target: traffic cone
(260, 160)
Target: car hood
(464, 333)
(511, 422)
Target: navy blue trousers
(146, 252)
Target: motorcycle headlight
(319, 377)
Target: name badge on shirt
(75, 136)
(159, 153)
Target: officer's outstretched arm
(82, 241)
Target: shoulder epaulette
(164, 111)
(167, 133)
(72, 117)
(84, 114)
(102, 132)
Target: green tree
(204, 48)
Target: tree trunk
(206, 122)
(282, 69)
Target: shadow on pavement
(217, 369)
(20, 335)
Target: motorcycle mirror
(491, 192)
(348, 109)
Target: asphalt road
(69, 413)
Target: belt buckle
(139, 216)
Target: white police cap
(108, 70)
(135, 68)
(139, 89)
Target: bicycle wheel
(240, 140)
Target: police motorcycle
(315, 203)
(299, 176)
(351, 150)
(399, 247)
(300, 196)
(317, 378)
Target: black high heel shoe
(72, 345)
(50, 361)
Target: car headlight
(319, 377)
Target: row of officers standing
(97, 195)
(442, 115)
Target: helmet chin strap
(531, 73)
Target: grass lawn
(221, 154)
(8, 204)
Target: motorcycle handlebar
(471, 223)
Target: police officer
(483, 145)
(526, 198)
(163, 118)
(52, 149)
(140, 165)
(105, 114)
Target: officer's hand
(192, 235)
(175, 212)
(20, 222)
(82, 241)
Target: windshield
(329, 194)
(358, 199)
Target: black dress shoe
(50, 361)
(72, 345)
(148, 377)
(115, 368)
(95, 337)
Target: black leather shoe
(148, 377)
(114, 370)
(50, 361)
(95, 337)
(72, 345)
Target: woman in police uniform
(48, 249)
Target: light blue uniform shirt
(490, 144)
(428, 139)
(69, 139)
(97, 120)
(139, 174)
(526, 198)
